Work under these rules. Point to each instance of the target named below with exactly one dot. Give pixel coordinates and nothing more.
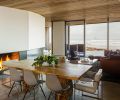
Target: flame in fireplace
(6, 59)
(1, 64)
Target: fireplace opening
(7, 57)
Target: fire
(1, 64)
(7, 59)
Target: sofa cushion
(117, 57)
(111, 66)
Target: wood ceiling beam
(68, 9)
(14, 2)
(99, 12)
(94, 10)
(86, 4)
(53, 6)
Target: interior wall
(20, 30)
(58, 38)
(36, 31)
(13, 30)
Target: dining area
(63, 81)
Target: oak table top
(65, 70)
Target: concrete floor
(111, 91)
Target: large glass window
(77, 34)
(114, 35)
(96, 39)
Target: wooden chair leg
(34, 93)
(21, 86)
(25, 94)
(49, 95)
(11, 89)
(42, 91)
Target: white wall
(36, 31)
(13, 30)
(20, 30)
(59, 38)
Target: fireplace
(19, 55)
(8, 56)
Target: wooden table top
(64, 70)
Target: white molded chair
(54, 84)
(32, 82)
(89, 85)
(16, 77)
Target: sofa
(111, 66)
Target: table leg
(68, 93)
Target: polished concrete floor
(111, 91)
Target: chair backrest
(98, 75)
(53, 82)
(29, 78)
(15, 74)
(97, 78)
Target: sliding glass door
(75, 38)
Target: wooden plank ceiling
(57, 10)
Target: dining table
(66, 72)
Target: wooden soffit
(59, 10)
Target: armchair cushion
(86, 86)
